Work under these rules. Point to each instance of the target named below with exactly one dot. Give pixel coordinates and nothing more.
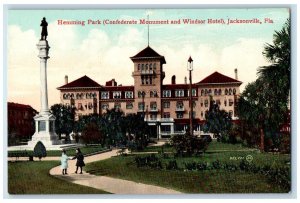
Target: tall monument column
(44, 121)
(43, 48)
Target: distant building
(20, 121)
(164, 106)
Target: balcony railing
(179, 108)
(167, 119)
(153, 109)
(147, 72)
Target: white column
(172, 128)
(43, 48)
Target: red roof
(20, 106)
(177, 86)
(216, 78)
(84, 82)
(148, 52)
(118, 88)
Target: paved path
(112, 185)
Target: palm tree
(276, 76)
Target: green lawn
(219, 146)
(211, 181)
(34, 178)
(70, 152)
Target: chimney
(236, 73)
(173, 82)
(185, 80)
(66, 79)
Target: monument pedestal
(44, 131)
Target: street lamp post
(190, 69)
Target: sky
(102, 51)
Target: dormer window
(104, 95)
(179, 93)
(117, 95)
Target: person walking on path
(79, 163)
(64, 162)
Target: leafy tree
(64, 122)
(40, 150)
(187, 144)
(111, 123)
(217, 121)
(264, 103)
(91, 134)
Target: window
(153, 117)
(141, 106)
(201, 114)
(179, 115)
(226, 91)
(142, 67)
(153, 93)
(202, 92)
(220, 92)
(206, 103)
(129, 105)
(225, 102)
(201, 103)
(166, 115)
(104, 95)
(141, 93)
(80, 107)
(153, 105)
(129, 95)
(117, 105)
(194, 92)
(194, 114)
(234, 91)
(230, 113)
(179, 105)
(166, 105)
(167, 93)
(117, 95)
(230, 102)
(216, 92)
(230, 91)
(179, 93)
(139, 67)
(90, 105)
(194, 104)
(104, 106)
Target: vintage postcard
(149, 101)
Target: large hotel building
(164, 106)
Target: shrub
(148, 161)
(40, 150)
(188, 145)
(172, 165)
(216, 164)
(202, 166)
(191, 166)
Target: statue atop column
(44, 32)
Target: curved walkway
(112, 185)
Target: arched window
(230, 91)
(234, 91)
(216, 92)
(220, 92)
(226, 91)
